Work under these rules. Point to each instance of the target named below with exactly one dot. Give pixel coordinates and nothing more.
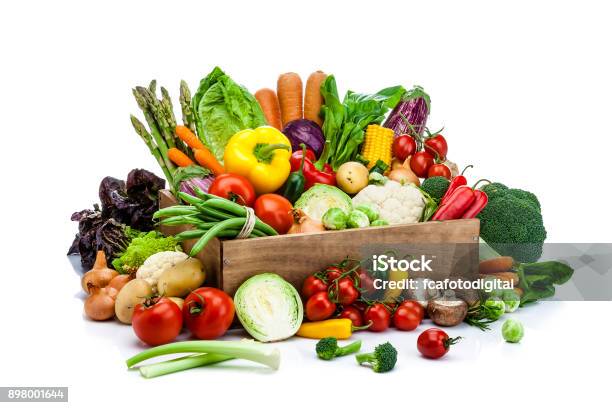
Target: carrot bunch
(201, 154)
(290, 102)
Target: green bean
(221, 226)
(189, 198)
(191, 234)
(180, 220)
(175, 210)
(240, 211)
(211, 212)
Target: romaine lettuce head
(222, 108)
(321, 197)
(269, 307)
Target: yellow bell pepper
(338, 328)
(261, 155)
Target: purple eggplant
(410, 115)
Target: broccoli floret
(383, 358)
(524, 195)
(327, 348)
(494, 190)
(513, 227)
(435, 187)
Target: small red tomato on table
(379, 315)
(434, 343)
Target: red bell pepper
(311, 174)
(455, 183)
(464, 202)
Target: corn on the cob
(377, 145)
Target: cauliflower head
(156, 264)
(396, 203)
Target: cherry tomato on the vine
(313, 285)
(319, 307)
(379, 315)
(420, 163)
(406, 319)
(351, 312)
(346, 291)
(404, 146)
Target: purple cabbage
(305, 131)
(189, 186)
(414, 106)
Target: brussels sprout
(358, 219)
(512, 330)
(511, 300)
(494, 291)
(368, 210)
(334, 219)
(379, 223)
(495, 307)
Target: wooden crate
(228, 263)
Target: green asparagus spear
(153, 86)
(158, 113)
(146, 137)
(155, 131)
(185, 99)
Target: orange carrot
(313, 98)
(206, 159)
(289, 90)
(179, 158)
(269, 104)
(187, 136)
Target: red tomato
(157, 321)
(434, 343)
(420, 163)
(347, 293)
(332, 273)
(351, 312)
(404, 146)
(233, 187)
(274, 210)
(319, 307)
(313, 285)
(437, 146)
(380, 317)
(439, 169)
(366, 283)
(406, 319)
(208, 313)
(416, 307)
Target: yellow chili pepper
(261, 155)
(338, 328)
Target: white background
(523, 90)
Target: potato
(447, 312)
(133, 293)
(352, 177)
(182, 278)
(179, 302)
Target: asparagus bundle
(159, 115)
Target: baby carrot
(269, 105)
(187, 136)
(179, 158)
(206, 159)
(289, 90)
